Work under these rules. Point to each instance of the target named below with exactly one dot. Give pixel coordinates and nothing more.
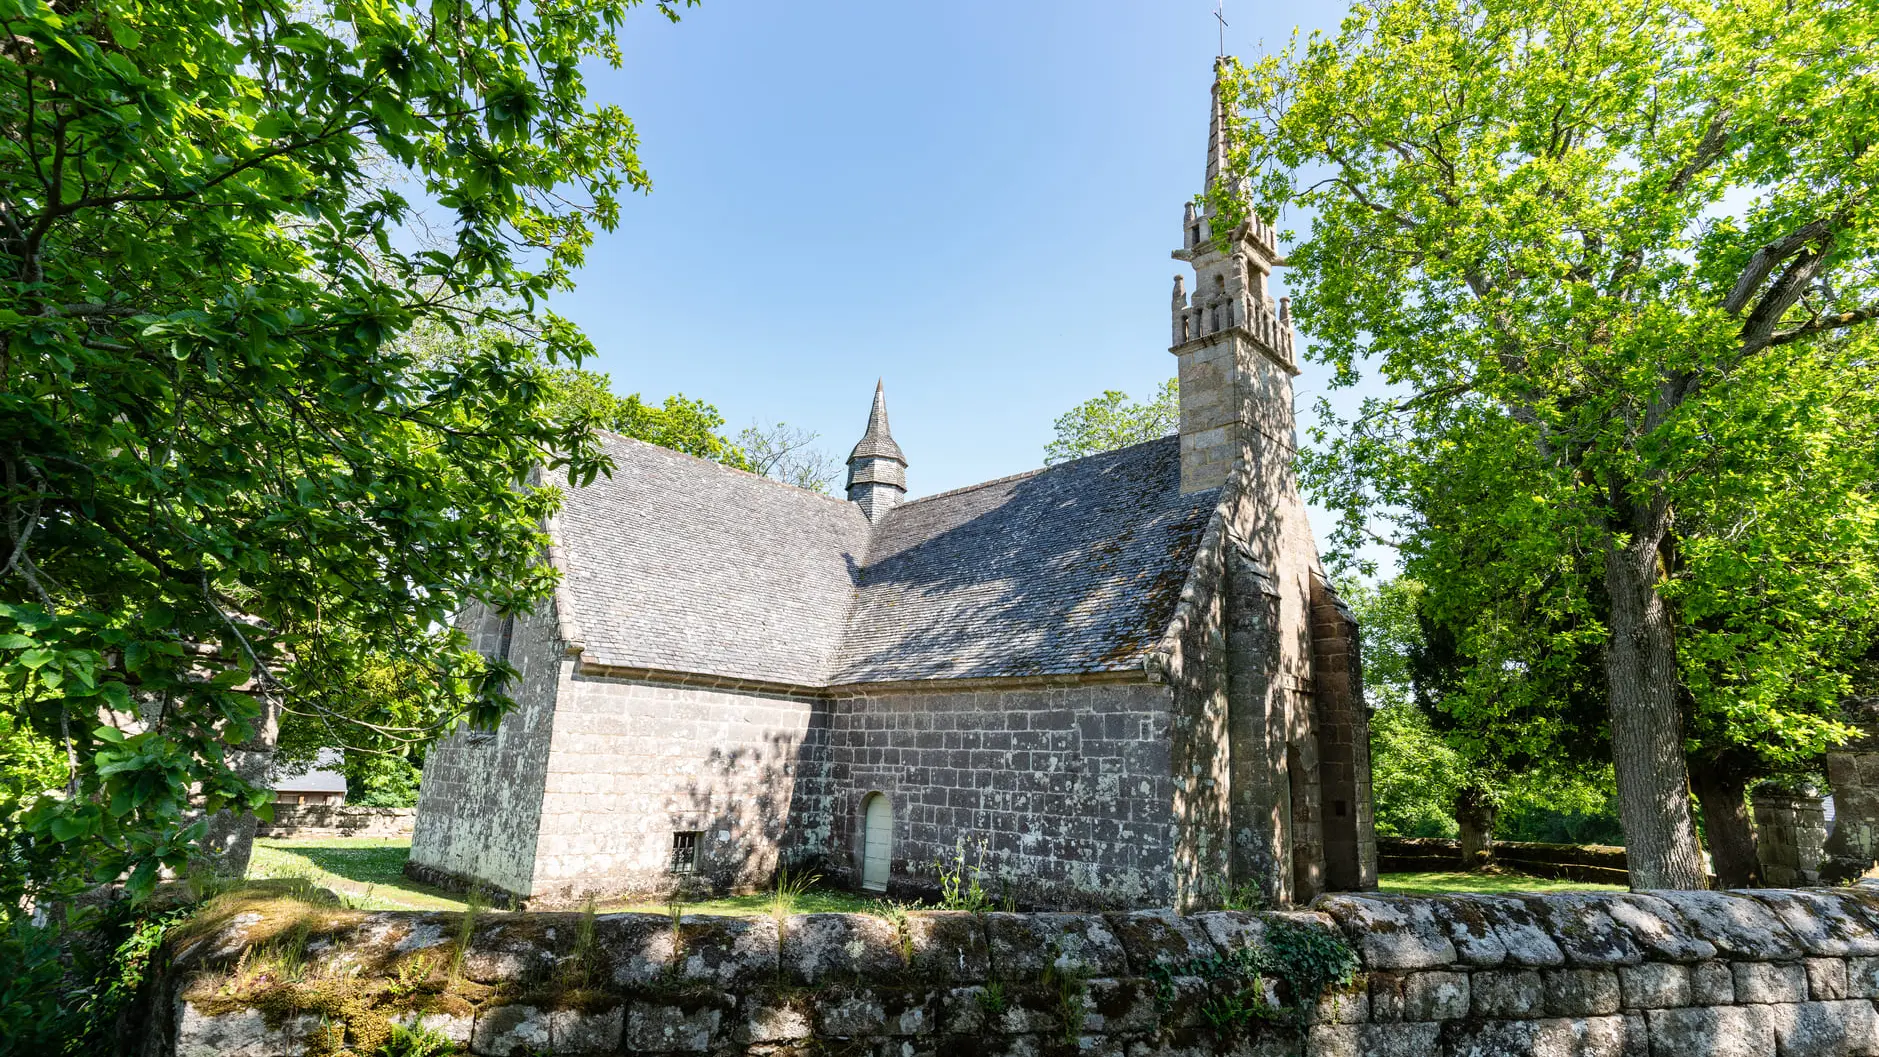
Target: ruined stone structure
(1762, 973)
(1119, 681)
(1790, 838)
(1852, 849)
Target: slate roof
(326, 774)
(679, 564)
(1073, 568)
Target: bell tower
(1233, 341)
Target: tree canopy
(1112, 421)
(225, 487)
(1619, 261)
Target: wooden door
(877, 843)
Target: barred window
(685, 851)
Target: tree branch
(1765, 259)
(1821, 324)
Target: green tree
(1627, 294)
(1112, 421)
(225, 488)
(679, 423)
(787, 453)
(1442, 763)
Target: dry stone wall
(1670, 974)
(336, 820)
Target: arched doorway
(877, 842)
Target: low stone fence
(1689, 974)
(1577, 862)
(327, 820)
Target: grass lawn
(1444, 883)
(367, 872)
(364, 871)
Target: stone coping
(1775, 972)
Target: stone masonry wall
(479, 804)
(1769, 973)
(634, 762)
(1066, 787)
(338, 820)
(1790, 838)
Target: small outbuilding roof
(326, 775)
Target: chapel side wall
(479, 801)
(1350, 842)
(634, 761)
(1069, 788)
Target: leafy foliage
(1112, 421)
(1539, 759)
(1307, 960)
(66, 989)
(1625, 300)
(227, 489)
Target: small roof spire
(877, 442)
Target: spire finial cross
(1222, 19)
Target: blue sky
(974, 200)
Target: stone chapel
(1118, 681)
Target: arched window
(877, 841)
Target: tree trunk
(1474, 814)
(1647, 725)
(228, 841)
(1722, 791)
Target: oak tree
(1619, 261)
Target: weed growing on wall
(584, 961)
(896, 914)
(1069, 986)
(473, 905)
(992, 999)
(414, 1042)
(962, 885)
(1305, 959)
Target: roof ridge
(1031, 473)
(727, 469)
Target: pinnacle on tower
(1233, 340)
(877, 471)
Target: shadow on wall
(754, 809)
(1073, 569)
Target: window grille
(685, 851)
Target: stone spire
(877, 471)
(1234, 341)
(1216, 131)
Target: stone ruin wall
(1767, 973)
